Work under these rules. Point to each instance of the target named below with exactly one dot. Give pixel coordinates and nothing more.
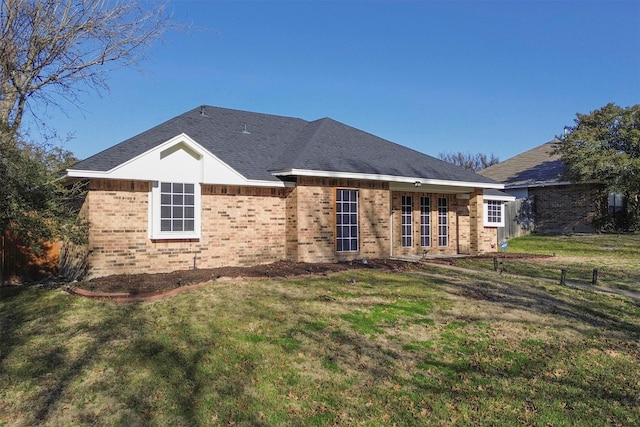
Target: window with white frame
(175, 210)
(425, 221)
(346, 220)
(407, 221)
(493, 213)
(443, 222)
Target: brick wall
(240, 226)
(464, 225)
(315, 207)
(243, 226)
(255, 225)
(569, 208)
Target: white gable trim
(416, 181)
(195, 164)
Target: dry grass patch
(363, 347)
(615, 256)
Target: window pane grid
(346, 220)
(177, 207)
(425, 221)
(407, 221)
(443, 222)
(494, 211)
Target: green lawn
(617, 258)
(425, 347)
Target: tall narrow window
(425, 221)
(177, 207)
(443, 222)
(407, 221)
(346, 220)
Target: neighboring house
(556, 205)
(218, 187)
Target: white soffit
(397, 183)
(499, 197)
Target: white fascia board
(549, 184)
(505, 198)
(387, 178)
(540, 184)
(82, 174)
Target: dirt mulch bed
(151, 284)
(145, 286)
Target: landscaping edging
(124, 297)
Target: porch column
(476, 222)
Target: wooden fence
(18, 263)
(518, 219)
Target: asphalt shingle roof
(534, 167)
(256, 144)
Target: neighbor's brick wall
(240, 226)
(315, 207)
(569, 208)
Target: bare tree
(472, 162)
(50, 49)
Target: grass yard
(617, 258)
(428, 346)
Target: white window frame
(155, 231)
(425, 221)
(500, 198)
(443, 222)
(489, 220)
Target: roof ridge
(236, 110)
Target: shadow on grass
(602, 311)
(72, 351)
(176, 361)
(186, 370)
(32, 325)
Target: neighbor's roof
(260, 145)
(538, 166)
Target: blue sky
(437, 76)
